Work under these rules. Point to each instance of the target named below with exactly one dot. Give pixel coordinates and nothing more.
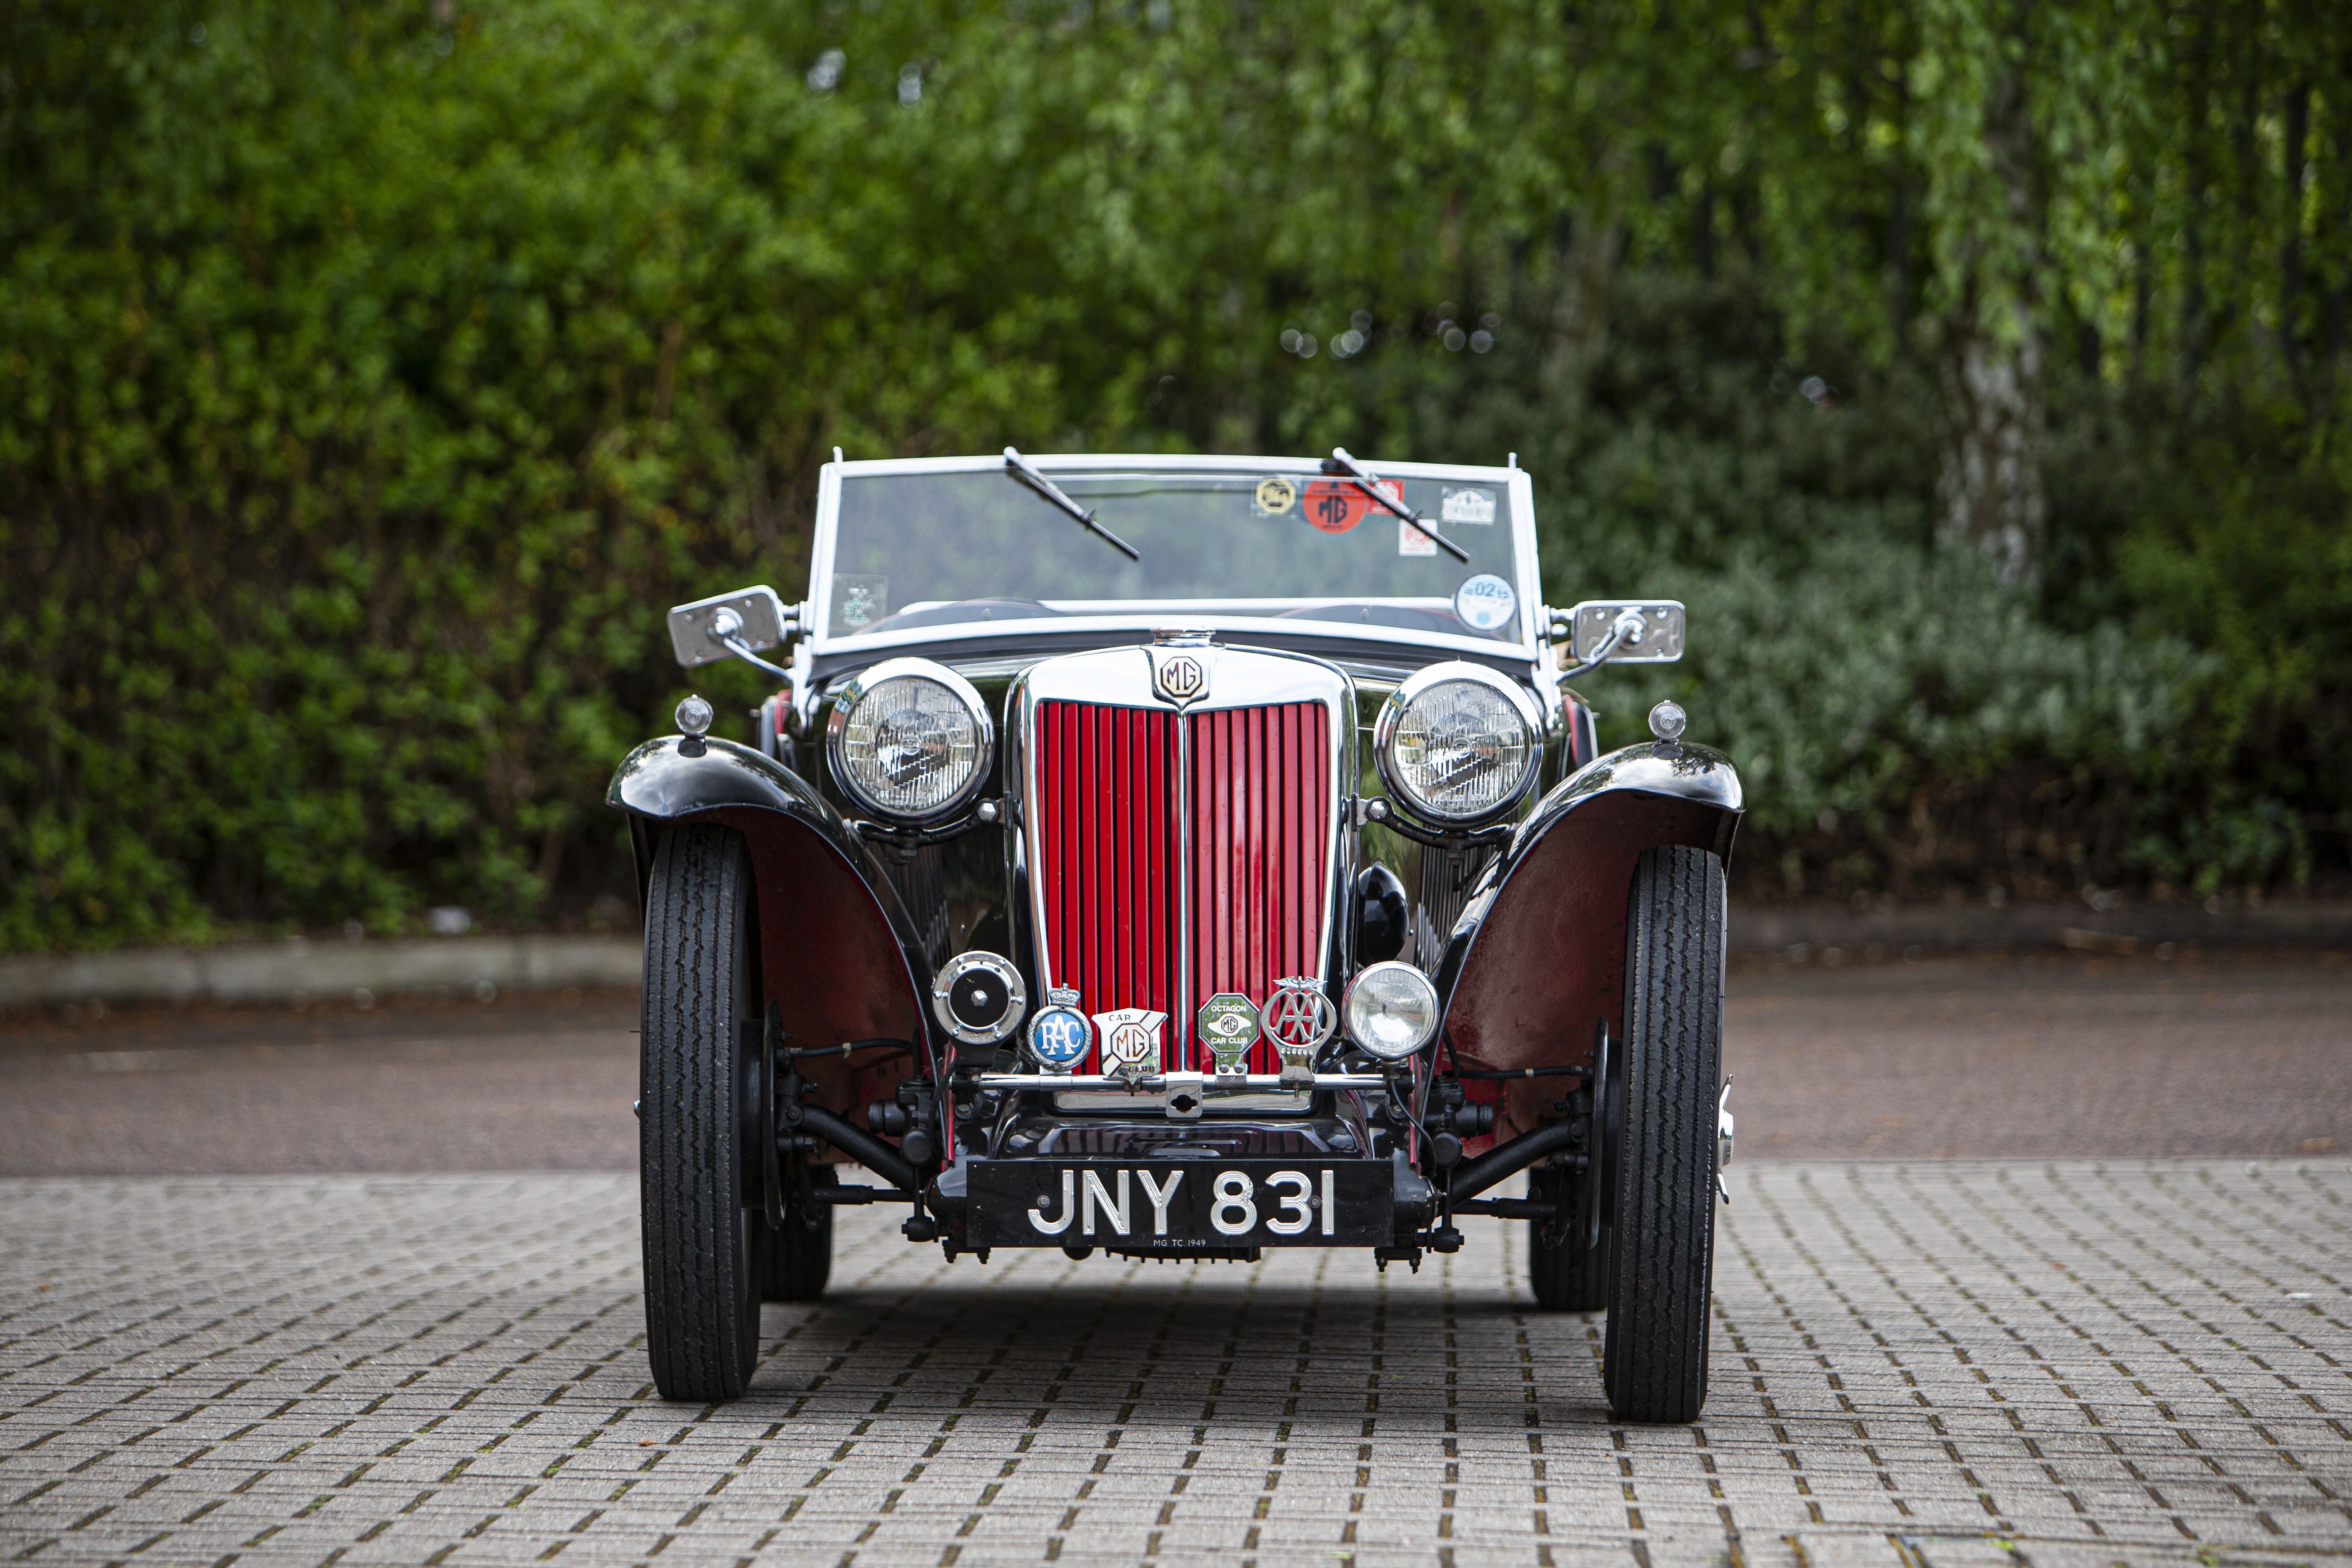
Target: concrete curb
(1973, 928)
(279, 971)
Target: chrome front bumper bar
(1167, 1083)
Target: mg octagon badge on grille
(1228, 1022)
(1182, 677)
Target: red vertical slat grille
(1111, 849)
(1110, 845)
(1261, 828)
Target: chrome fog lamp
(1458, 745)
(1391, 1010)
(909, 740)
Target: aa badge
(1298, 1019)
(1130, 1037)
(1228, 1024)
(1059, 1035)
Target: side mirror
(728, 627)
(1621, 632)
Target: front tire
(1662, 1235)
(703, 1238)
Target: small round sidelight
(694, 717)
(1667, 721)
(1391, 1010)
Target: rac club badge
(1228, 1024)
(1298, 1019)
(1130, 1037)
(1059, 1035)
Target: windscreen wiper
(1053, 493)
(1338, 462)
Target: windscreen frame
(822, 640)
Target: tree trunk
(1988, 490)
(2298, 126)
(1586, 248)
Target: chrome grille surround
(1119, 687)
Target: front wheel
(697, 1076)
(1567, 1275)
(800, 1251)
(1662, 1235)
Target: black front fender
(1537, 960)
(837, 951)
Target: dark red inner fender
(827, 952)
(1549, 961)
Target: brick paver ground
(1942, 1365)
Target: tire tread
(1655, 1358)
(696, 904)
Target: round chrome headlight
(909, 740)
(1391, 1010)
(1458, 745)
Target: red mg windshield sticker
(1335, 506)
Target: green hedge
(371, 381)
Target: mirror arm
(725, 629)
(735, 646)
(1628, 625)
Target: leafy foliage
(372, 380)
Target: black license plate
(1179, 1205)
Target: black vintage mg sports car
(1176, 857)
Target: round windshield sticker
(1485, 602)
(1275, 495)
(1335, 506)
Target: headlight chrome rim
(845, 738)
(1391, 727)
(1386, 985)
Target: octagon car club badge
(1059, 1035)
(1228, 1022)
(1275, 495)
(1298, 1020)
(1131, 1038)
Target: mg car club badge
(1298, 1019)
(1228, 1024)
(1130, 1037)
(1060, 1035)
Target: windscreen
(946, 549)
